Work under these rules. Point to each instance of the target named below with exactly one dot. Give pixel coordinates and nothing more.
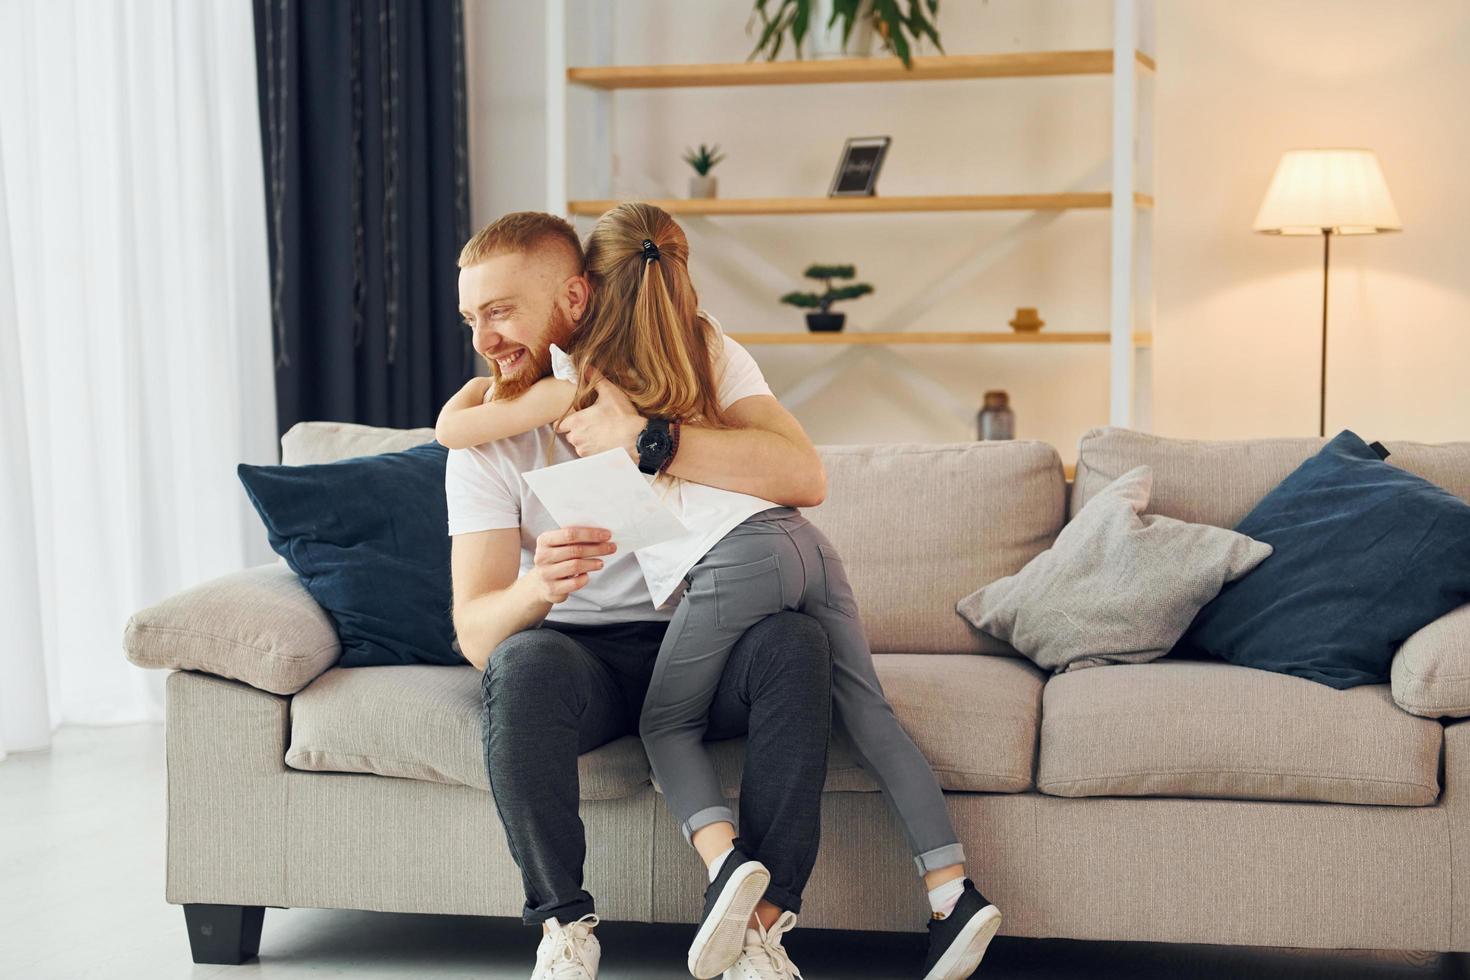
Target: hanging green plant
(899, 30)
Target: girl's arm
(467, 419)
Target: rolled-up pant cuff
(940, 857)
(783, 899)
(705, 817)
(570, 912)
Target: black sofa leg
(224, 933)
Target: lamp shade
(1314, 191)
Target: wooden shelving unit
(1130, 308)
(1026, 64)
(1140, 338)
(871, 205)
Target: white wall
(1238, 316)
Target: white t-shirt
(484, 490)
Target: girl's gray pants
(778, 560)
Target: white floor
(81, 896)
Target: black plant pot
(825, 322)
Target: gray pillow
(1116, 586)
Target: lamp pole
(1322, 411)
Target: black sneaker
(729, 902)
(958, 941)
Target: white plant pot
(706, 186)
(824, 43)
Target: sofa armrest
(227, 792)
(259, 626)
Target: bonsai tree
(704, 159)
(900, 31)
(822, 302)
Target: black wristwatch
(654, 445)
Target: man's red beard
(536, 364)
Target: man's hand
(611, 422)
(565, 558)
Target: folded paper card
(606, 491)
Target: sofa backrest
(919, 526)
(327, 442)
(1219, 482)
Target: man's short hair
(522, 231)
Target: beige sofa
(1179, 801)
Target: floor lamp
(1327, 192)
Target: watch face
(652, 443)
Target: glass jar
(995, 419)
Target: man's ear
(578, 293)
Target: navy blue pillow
(1365, 554)
(369, 539)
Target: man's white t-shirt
(484, 490)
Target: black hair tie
(650, 250)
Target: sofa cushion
(974, 718)
(1218, 482)
(920, 526)
(1192, 729)
(258, 625)
(1431, 670)
(1365, 555)
(366, 535)
(424, 722)
(1118, 586)
(327, 442)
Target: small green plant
(823, 302)
(900, 31)
(704, 159)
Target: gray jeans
(778, 560)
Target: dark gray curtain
(362, 108)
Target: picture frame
(858, 168)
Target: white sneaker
(568, 952)
(764, 958)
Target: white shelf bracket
(556, 107)
(1123, 213)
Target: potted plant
(703, 184)
(835, 27)
(824, 320)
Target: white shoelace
(567, 962)
(769, 955)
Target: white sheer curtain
(135, 337)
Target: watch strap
(673, 445)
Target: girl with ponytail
(744, 559)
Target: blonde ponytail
(642, 330)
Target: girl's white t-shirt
(708, 512)
(484, 490)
